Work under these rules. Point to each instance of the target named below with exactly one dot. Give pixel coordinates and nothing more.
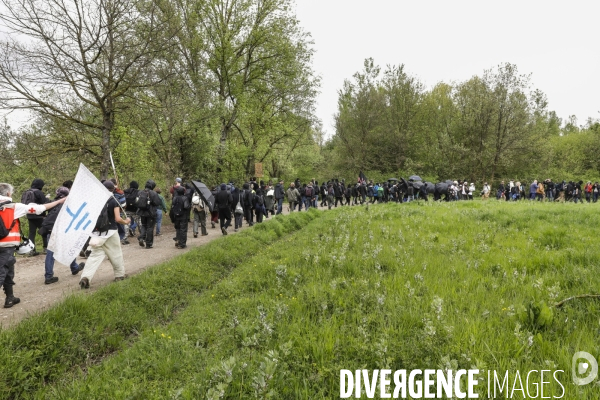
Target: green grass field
(279, 310)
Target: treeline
(491, 127)
(201, 89)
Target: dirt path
(36, 296)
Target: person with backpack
(199, 210)
(147, 203)
(104, 241)
(131, 194)
(46, 230)
(180, 216)
(10, 236)
(223, 204)
(269, 199)
(309, 196)
(35, 195)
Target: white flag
(77, 217)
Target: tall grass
(437, 286)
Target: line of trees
(490, 127)
(192, 88)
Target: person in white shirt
(9, 216)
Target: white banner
(78, 215)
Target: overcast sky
(557, 42)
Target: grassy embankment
(460, 285)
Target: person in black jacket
(279, 196)
(35, 221)
(46, 230)
(180, 216)
(148, 213)
(236, 196)
(223, 204)
(248, 203)
(324, 195)
(130, 207)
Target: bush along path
(81, 331)
(439, 286)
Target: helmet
(26, 247)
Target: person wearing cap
(106, 244)
(279, 195)
(46, 229)
(175, 186)
(9, 215)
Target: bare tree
(61, 56)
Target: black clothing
(112, 204)
(279, 192)
(223, 200)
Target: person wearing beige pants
(105, 241)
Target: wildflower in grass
(418, 277)
(428, 328)
(380, 299)
(436, 306)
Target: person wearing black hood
(223, 204)
(238, 215)
(35, 195)
(147, 203)
(248, 203)
(180, 215)
(130, 207)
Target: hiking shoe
(84, 283)
(87, 253)
(79, 269)
(125, 241)
(33, 253)
(131, 233)
(149, 247)
(205, 234)
(181, 247)
(213, 225)
(11, 301)
(44, 251)
(120, 278)
(54, 279)
(82, 254)
(236, 229)
(175, 238)
(158, 234)
(141, 242)
(195, 235)
(224, 231)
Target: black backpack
(131, 197)
(142, 201)
(260, 200)
(308, 192)
(178, 206)
(28, 197)
(103, 223)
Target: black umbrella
(418, 185)
(415, 178)
(430, 187)
(449, 182)
(205, 193)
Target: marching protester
(292, 195)
(180, 216)
(105, 241)
(46, 230)
(35, 195)
(147, 203)
(131, 194)
(10, 237)
(199, 211)
(223, 202)
(160, 210)
(279, 195)
(238, 208)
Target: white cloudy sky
(556, 41)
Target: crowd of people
(138, 213)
